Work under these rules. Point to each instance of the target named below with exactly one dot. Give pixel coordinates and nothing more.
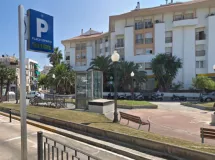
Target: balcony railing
(148, 40)
(139, 41)
(200, 53)
(183, 17)
(200, 37)
(119, 45)
(169, 53)
(168, 39)
(143, 25)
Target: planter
(213, 119)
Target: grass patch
(203, 105)
(207, 104)
(101, 122)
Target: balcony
(181, 21)
(148, 40)
(200, 53)
(143, 25)
(139, 41)
(119, 45)
(168, 39)
(169, 53)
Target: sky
(70, 16)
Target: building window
(188, 16)
(106, 39)
(148, 66)
(178, 17)
(148, 51)
(83, 56)
(140, 51)
(148, 23)
(168, 37)
(200, 50)
(67, 57)
(148, 38)
(106, 49)
(120, 42)
(100, 51)
(83, 46)
(199, 64)
(78, 47)
(200, 34)
(138, 25)
(78, 56)
(139, 38)
(168, 51)
(100, 40)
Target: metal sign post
(22, 83)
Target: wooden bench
(133, 118)
(207, 133)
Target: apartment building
(182, 29)
(46, 69)
(80, 50)
(32, 73)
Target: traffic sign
(40, 32)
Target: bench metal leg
(202, 139)
(139, 126)
(149, 126)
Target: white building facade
(185, 30)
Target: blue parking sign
(40, 37)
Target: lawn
(207, 104)
(101, 122)
(134, 103)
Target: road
(10, 142)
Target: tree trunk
(7, 89)
(1, 87)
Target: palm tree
(56, 57)
(124, 74)
(104, 64)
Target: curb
(198, 106)
(137, 107)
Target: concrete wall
(159, 38)
(129, 45)
(211, 44)
(189, 64)
(178, 45)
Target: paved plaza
(174, 120)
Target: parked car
(209, 97)
(31, 94)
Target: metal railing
(148, 40)
(139, 41)
(119, 45)
(48, 148)
(183, 17)
(168, 39)
(200, 53)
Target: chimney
(138, 5)
(82, 31)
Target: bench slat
(208, 136)
(207, 129)
(208, 132)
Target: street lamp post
(53, 76)
(132, 85)
(115, 59)
(111, 82)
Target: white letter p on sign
(41, 29)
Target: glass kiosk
(89, 86)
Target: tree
(104, 64)
(42, 80)
(56, 57)
(165, 69)
(202, 83)
(64, 81)
(3, 75)
(11, 76)
(124, 73)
